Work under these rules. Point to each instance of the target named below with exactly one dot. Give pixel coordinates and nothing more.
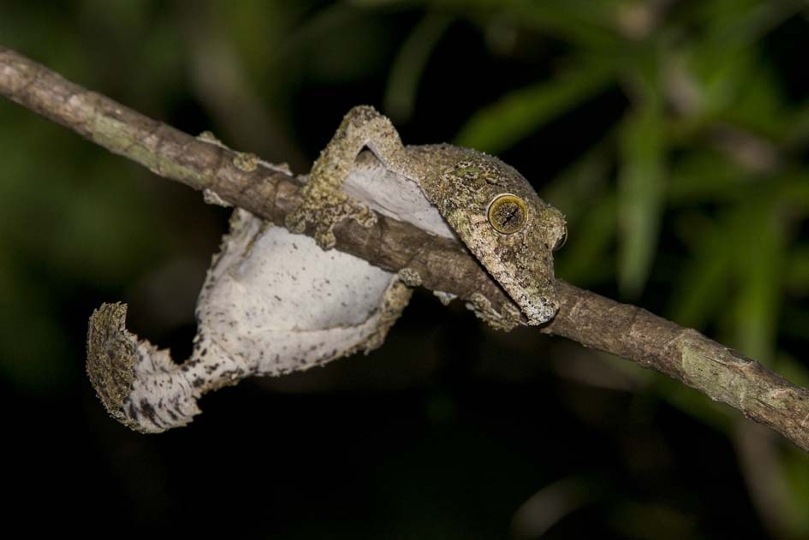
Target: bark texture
(721, 373)
(270, 192)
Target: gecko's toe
(295, 222)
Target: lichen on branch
(267, 191)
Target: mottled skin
(462, 184)
(274, 302)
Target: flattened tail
(139, 384)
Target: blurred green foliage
(673, 135)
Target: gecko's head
(505, 224)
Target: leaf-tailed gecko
(275, 302)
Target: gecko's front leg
(324, 203)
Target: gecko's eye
(507, 213)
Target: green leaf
(758, 264)
(703, 176)
(519, 113)
(702, 287)
(587, 23)
(797, 134)
(405, 74)
(797, 271)
(583, 192)
(795, 474)
(641, 192)
(582, 261)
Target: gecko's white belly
(393, 195)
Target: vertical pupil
(507, 213)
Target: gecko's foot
(507, 318)
(139, 384)
(324, 210)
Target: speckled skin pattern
(461, 183)
(274, 302)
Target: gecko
(488, 204)
(275, 302)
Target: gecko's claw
(139, 384)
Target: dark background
(672, 134)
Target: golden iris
(507, 213)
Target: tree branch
(270, 192)
(719, 372)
